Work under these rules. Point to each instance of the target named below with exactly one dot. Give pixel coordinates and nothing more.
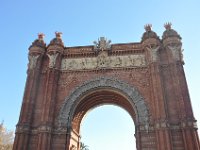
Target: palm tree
(83, 146)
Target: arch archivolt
(98, 91)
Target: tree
(84, 147)
(6, 138)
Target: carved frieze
(103, 61)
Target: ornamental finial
(41, 36)
(168, 25)
(102, 43)
(58, 35)
(148, 27)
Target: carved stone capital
(153, 51)
(176, 51)
(33, 59)
(52, 59)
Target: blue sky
(82, 22)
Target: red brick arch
(99, 91)
(127, 97)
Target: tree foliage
(6, 138)
(84, 147)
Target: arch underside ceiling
(96, 98)
(104, 90)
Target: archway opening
(97, 92)
(108, 127)
(97, 98)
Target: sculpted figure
(118, 61)
(52, 60)
(84, 63)
(154, 53)
(142, 61)
(72, 65)
(176, 51)
(103, 60)
(102, 44)
(131, 60)
(32, 61)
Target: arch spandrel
(133, 96)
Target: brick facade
(147, 79)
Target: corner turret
(149, 33)
(151, 43)
(169, 32)
(57, 40)
(55, 50)
(172, 41)
(36, 50)
(38, 46)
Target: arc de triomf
(146, 79)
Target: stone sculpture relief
(102, 44)
(52, 59)
(32, 61)
(176, 51)
(154, 53)
(103, 61)
(118, 62)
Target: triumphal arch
(146, 79)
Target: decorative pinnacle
(168, 25)
(58, 35)
(148, 27)
(41, 36)
(102, 43)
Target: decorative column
(35, 56)
(181, 115)
(54, 53)
(152, 45)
